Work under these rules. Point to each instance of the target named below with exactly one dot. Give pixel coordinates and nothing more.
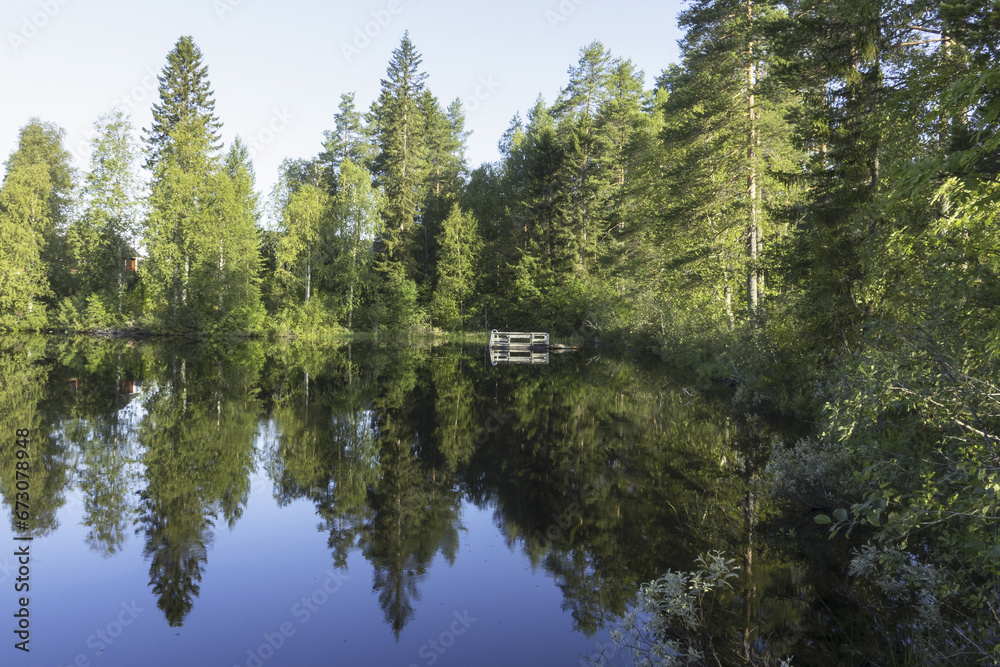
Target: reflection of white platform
(518, 347)
(509, 356)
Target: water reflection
(600, 472)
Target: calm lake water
(363, 504)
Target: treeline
(806, 204)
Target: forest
(805, 206)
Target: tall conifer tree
(397, 123)
(182, 154)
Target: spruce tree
(457, 268)
(397, 124)
(182, 155)
(185, 96)
(348, 140)
(445, 137)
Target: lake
(249, 504)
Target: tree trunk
(222, 264)
(308, 271)
(350, 306)
(753, 234)
(187, 275)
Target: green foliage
(106, 235)
(458, 259)
(396, 122)
(676, 606)
(35, 202)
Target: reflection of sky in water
(255, 580)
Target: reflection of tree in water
(413, 521)
(103, 427)
(26, 401)
(607, 475)
(413, 518)
(326, 448)
(177, 542)
(198, 439)
(353, 439)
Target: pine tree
(718, 122)
(620, 119)
(576, 114)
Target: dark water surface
(363, 505)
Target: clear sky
(278, 68)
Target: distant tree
(457, 268)
(304, 222)
(348, 140)
(357, 210)
(35, 202)
(102, 239)
(236, 255)
(397, 123)
(182, 156)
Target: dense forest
(806, 205)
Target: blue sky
(278, 68)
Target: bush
(665, 625)
(819, 475)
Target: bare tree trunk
(308, 271)
(753, 234)
(222, 265)
(187, 275)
